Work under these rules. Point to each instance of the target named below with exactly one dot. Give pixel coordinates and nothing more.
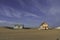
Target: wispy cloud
(11, 12)
(4, 21)
(31, 14)
(9, 22)
(33, 8)
(54, 7)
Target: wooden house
(43, 25)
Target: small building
(18, 26)
(57, 28)
(44, 25)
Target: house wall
(16, 27)
(44, 26)
(57, 28)
(21, 27)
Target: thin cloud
(10, 12)
(31, 14)
(48, 8)
(8, 22)
(2, 21)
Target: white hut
(18, 26)
(57, 28)
(44, 25)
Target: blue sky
(30, 12)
